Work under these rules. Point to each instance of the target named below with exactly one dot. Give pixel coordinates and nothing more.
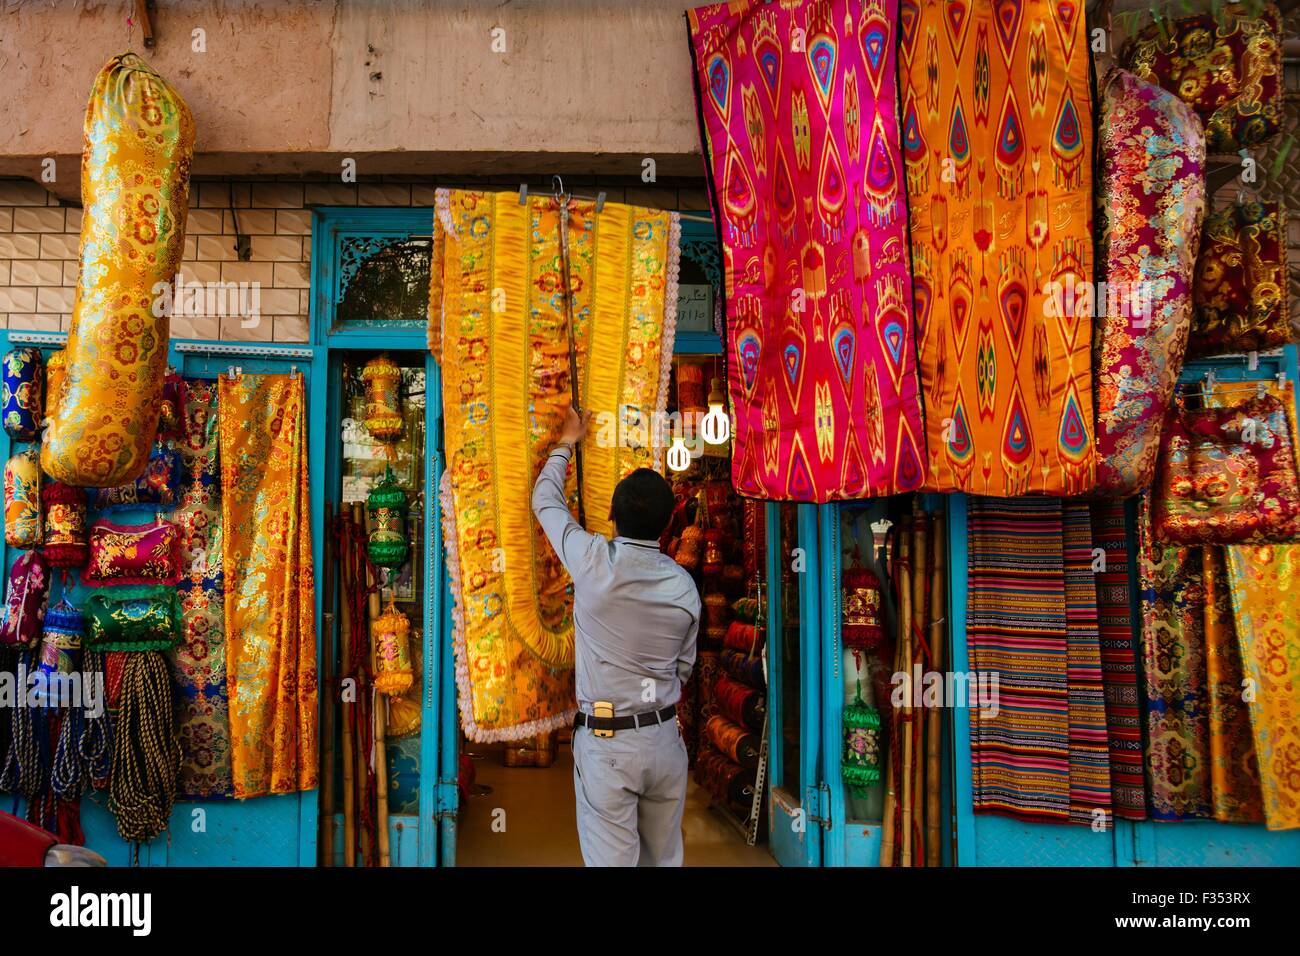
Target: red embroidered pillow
(29, 593)
(133, 554)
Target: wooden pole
(934, 719)
(377, 699)
(328, 670)
(349, 708)
(902, 780)
(915, 809)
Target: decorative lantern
(689, 546)
(60, 650)
(56, 367)
(860, 764)
(388, 546)
(713, 558)
(391, 634)
(23, 500)
(690, 387)
(66, 543)
(860, 608)
(383, 380)
(23, 401)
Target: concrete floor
(539, 827)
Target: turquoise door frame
(266, 831)
(989, 840)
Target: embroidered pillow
(1241, 281)
(23, 500)
(1150, 203)
(150, 623)
(158, 487)
(1228, 69)
(65, 525)
(29, 593)
(126, 554)
(22, 401)
(171, 413)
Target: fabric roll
(1016, 626)
(802, 153)
(1090, 787)
(997, 139)
(498, 322)
(1119, 661)
(23, 517)
(743, 637)
(743, 667)
(1150, 203)
(739, 744)
(23, 397)
(270, 601)
(199, 660)
(725, 780)
(158, 487)
(739, 704)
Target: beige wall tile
(259, 272)
(277, 248)
(216, 247)
(280, 302)
(204, 222)
(383, 194)
(292, 275)
(71, 269)
(422, 194)
(56, 245)
(34, 323)
(234, 329)
(17, 192)
(195, 327)
(213, 195)
(241, 195)
(252, 222)
(291, 328)
(293, 222)
(65, 322)
(4, 271)
(201, 271)
(72, 219)
(54, 299)
(37, 272)
(17, 299)
(6, 220)
(38, 219)
(277, 195)
(330, 194)
(18, 245)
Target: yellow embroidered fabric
(139, 137)
(497, 323)
(270, 593)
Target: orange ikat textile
(997, 140)
(498, 327)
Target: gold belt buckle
(603, 709)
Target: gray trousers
(631, 790)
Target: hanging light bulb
(716, 426)
(679, 456)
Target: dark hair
(643, 504)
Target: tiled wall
(39, 239)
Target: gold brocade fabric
(497, 323)
(269, 584)
(139, 137)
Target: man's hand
(575, 428)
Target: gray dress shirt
(636, 611)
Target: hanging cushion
(158, 487)
(1228, 68)
(1150, 204)
(22, 401)
(145, 623)
(66, 545)
(56, 366)
(29, 593)
(171, 413)
(23, 500)
(124, 554)
(139, 137)
(1241, 281)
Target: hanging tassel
(146, 751)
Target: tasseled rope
(96, 743)
(146, 751)
(22, 773)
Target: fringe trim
(442, 207)
(670, 329)
(464, 692)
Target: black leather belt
(648, 719)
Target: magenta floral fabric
(798, 107)
(29, 592)
(1151, 200)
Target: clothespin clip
(1209, 378)
(1252, 361)
(600, 202)
(523, 194)
(293, 371)
(1281, 379)
(230, 373)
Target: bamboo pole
(381, 727)
(328, 670)
(934, 719)
(903, 715)
(915, 809)
(348, 706)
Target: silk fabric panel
(798, 113)
(270, 598)
(997, 128)
(500, 327)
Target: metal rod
(562, 201)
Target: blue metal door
(798, 805)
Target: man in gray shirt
(636, 615)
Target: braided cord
(146, 752)
(95, 745)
